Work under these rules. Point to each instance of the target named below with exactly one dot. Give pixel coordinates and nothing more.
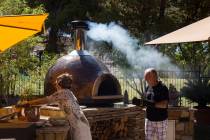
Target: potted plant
(198, 91)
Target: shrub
(197, 91)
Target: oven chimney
(79, 28)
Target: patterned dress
(68, 103)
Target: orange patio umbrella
(195, 32)
(14, 29)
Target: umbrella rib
(18, 27)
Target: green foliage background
(144, 19)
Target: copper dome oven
(93, 84)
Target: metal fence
(33, 83)
(176, 78)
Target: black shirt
(156, 94)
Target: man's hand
(162, 104)
(137, 101)
(148, 103)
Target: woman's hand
(23, 104)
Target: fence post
(199, 72)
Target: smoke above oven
(121, 39)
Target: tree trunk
(162, 9)
(52, 40)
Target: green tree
(194, 56)
(17, 61)
(61, 13)
(17, 7)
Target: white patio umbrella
(195, 32)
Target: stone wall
(124, 123)
(184, 122)
(121, 123)
(128, 123)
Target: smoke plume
(121, 39)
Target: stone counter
(21, 130)
(123, 123)
(184, 122)
(126, 122)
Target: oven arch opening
(106, 85)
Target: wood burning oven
(93, 84)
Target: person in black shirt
(156, 99)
